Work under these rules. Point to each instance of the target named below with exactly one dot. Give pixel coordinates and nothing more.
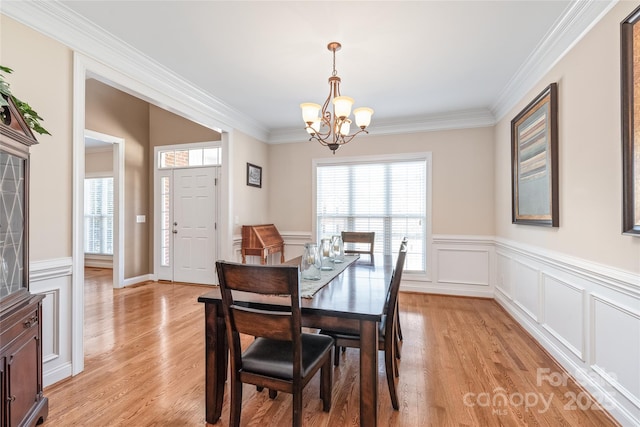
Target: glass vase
(326, 254)
(337, 246)
(311, 263)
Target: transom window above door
(191, 157)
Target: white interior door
(187, 231)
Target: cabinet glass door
(12, 169)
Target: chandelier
(332, 130)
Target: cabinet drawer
(17, 323)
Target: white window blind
(389, 198)
(98, 216)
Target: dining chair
(361, 237)
(387, 340)
(368, 238)
(281, 357)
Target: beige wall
(41, 76)
(110, 111)
(98, 161)
(590, 165)
(167, 128)
(250, 204)
(462, 185)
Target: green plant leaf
(30, 116)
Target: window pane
(165, 222)
(212, 156)
(195, 157)
(98, 216)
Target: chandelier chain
(334, 73)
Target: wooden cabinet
(21, 399)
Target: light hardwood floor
(465, 362)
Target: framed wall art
(254, 175)
(630, 83)
(534, 161)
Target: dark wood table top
(359, 292)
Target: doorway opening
(96, 142)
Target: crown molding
(67, 27)
(464, 119)
(62, 24)
(578, 19)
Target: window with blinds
(98, 216)
(387, 197)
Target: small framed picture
(254, 175)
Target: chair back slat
(367, 237)
(276, 325)
(272, 280)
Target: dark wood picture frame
(630, 54)
(534, 161)
(254, 175)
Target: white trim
(622, 281)
(50, 269)
(138, 279)
(77, 217)
(464, 119)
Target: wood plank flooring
(465, 362)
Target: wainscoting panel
(526, 288)
(52, 278)
(463, 266)
(503, 284)
(563, 313)
(587, 316)
(615, 346)
(456, 265)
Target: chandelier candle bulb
(310, 112)
(342, 106)
(345, 127)
(363, 116)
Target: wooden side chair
(281, 357)
(368, 238)
(387, 339)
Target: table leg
(216, 352)
(368, 373)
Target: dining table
(352, 300)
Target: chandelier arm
(347, 138)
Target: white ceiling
(408, 60)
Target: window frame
(386, 158)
